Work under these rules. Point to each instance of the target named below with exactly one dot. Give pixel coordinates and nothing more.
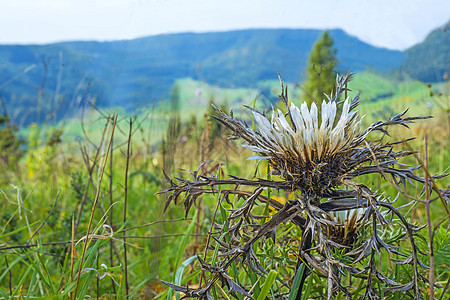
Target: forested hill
(138, 72)
(428, 61)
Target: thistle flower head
(309, 150)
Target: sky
(393, 24)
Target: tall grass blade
(296, 284)
(307, 292)
(21, 282)
(180, 270)
(184, 242)
(3, 294)
(180, 252)
(267, 285)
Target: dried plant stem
(94, 205)
(125, 205)
(433, 183)
(111, 202)
(155, 222)
(208, 240)
(98, 279)
(430, 229)
(90, 171)
(46, 219)
(306, 244)
(72, 241)
(444, 290)
(72, 251)
(90, 182)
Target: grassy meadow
(81, 216)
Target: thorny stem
(306, 243)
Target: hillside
(428, 61)
(139, 72)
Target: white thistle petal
(283, 122)
(257, 157)
(265, 127)
(325, 116)
(332, 114)
(306, 116)
(297, 118)
(263, 123)
(253, 148)
(314, 115)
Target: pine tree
(321, 69)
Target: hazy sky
(395, 24)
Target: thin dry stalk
(125, 205)
(83, 108)
(46, 219)
(72, 251)
(433, 182)
(111, 202)
(62, 243)
(90, 171)
(97, 278)
(155, 222)
(430, 229)
(90, 183)
(444, 290)
(93, 209)
(208, 240)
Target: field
(82, 217)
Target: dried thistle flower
(350, 222)
(314, 153)
(307, 155)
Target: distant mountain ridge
(429, 61)
(138, 72)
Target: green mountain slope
(139, 72)
(428, 61)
